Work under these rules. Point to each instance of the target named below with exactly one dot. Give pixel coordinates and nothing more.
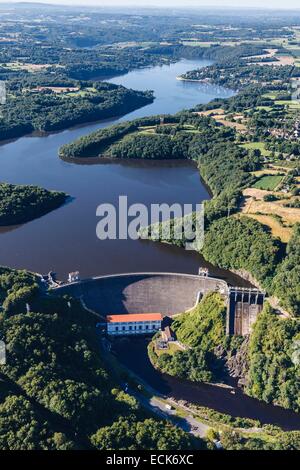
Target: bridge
(166, 293)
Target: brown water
(132, 352)
(65, 240)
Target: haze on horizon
(275, 4)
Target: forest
(20, 204)
(100, 142)
(55, 390)
(42, 109)
(62, 397)
(287, 276)
(236, 243)
(244, 244)
(201, 330)
(270, 362)
(274, 355)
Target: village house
(73, 277)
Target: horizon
(290, 5)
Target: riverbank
(182, 79)
(220, 399)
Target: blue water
(171, 95)
(65, 240)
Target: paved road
(187, 423)
(158, 406)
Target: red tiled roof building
(132, 324)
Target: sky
(175, 3)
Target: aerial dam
(165, 293)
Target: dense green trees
(19, 204)
(243, 244)
(286, 283)
(149, 147)
(232, 440)
(217, 156)
(149, 434)
(101, 142)
(234, 243)
(55, 391)
(204, 326)
(28, 109)
(274, 360)
(201, 330)
(23, 427)
(97, 142)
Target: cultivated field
(268, 182)
(274, 214)
(257, 146)
(277, 229)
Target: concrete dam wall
(164, 293)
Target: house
(167, 335)
(133, 324)
(73, 277)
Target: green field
(268, 182)
(172, 349)
(257, 146)
(195, 43)
(265, 108)
(270, 95)
(80, 93)
(290, 103)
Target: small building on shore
(167, 335)
(74, 277)
(133, 324)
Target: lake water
(65, 240)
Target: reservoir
(65, 240)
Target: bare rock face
(248, 277)
(237, 363)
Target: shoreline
(182, 79)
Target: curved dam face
(164, 293)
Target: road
(158, 406)
(154, 404)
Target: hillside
(201, 331)
(55, 390)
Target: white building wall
(133, 328)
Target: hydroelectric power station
(166, 293)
